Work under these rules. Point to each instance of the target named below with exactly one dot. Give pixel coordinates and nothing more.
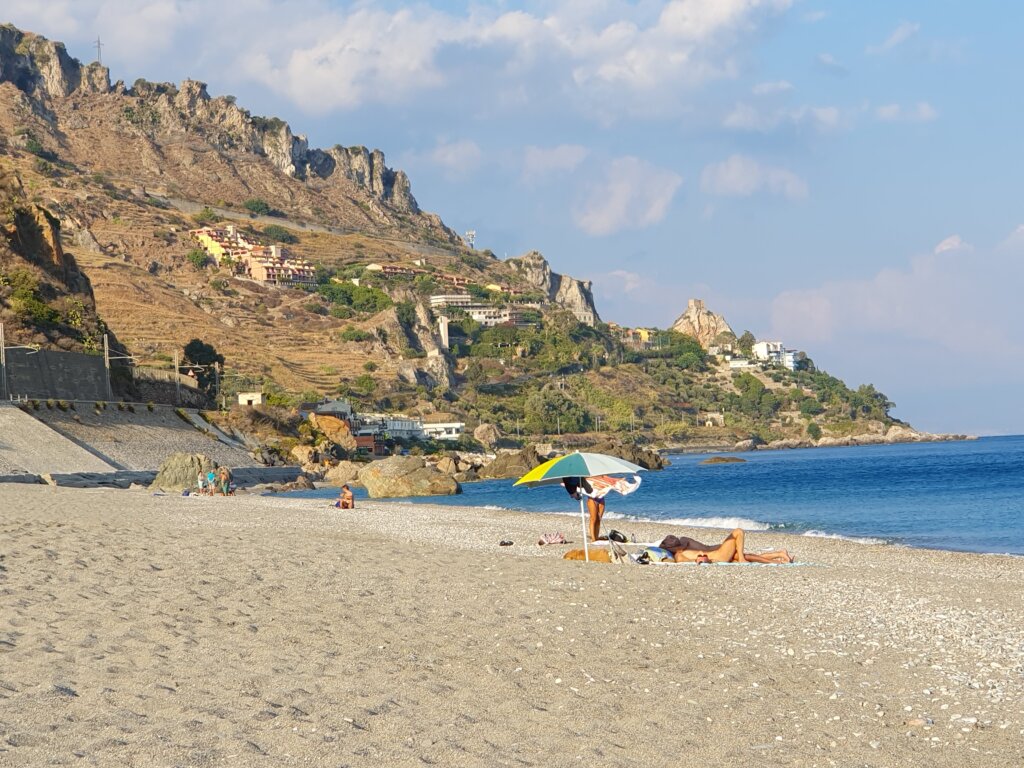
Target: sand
(141, 630)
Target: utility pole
(99, 45)
(558, 421)
(3, 363)
(177, 381)
(106, 364)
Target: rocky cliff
(44, 297)
(701, 323)
(166, 120)
(575, 295)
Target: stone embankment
(91, 446)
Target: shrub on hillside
(198, 258)
(280, 234)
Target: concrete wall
(58, 375)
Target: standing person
(578, 487)
(211, 482)
(201, 483)
(225, 481)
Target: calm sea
(966, 496)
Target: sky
(843, 177)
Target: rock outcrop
(510, 465)
(343, 472)
(334, 429)
(575, 295)
(698, 321)
(638, 455)
(487, 435)
(406, 476)
(181, 470)
(44, 71)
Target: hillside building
(268, 264)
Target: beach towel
(602, 485)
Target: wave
(719, 522)
(854, 539)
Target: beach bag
(658, 555)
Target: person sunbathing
(687, 550)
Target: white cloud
(633, 195)
(952, 243)
(542, 161)
(831, 64)
(599, 58)
(967, 307)
(900, 35)
(457, 158)
(741, 176)
(813, 17)
(776, 86)
(922, 112)
(745, 117)
(620, 281)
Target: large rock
(575, 295)
(406, 476)
(334, 429)
(344, 472)
(643, 457)
(701, 323)
(487, 435)
(511, 464)
(181, 470)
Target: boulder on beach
(334, 429)
(344, 472)
(510, 465)
(406, 476)
(181, 470)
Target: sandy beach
(142, 630)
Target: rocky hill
(127, 171)
(102, 183)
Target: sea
(962, 496)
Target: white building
(768, 351)
(250, 398)
(444, 430)
(740, 362)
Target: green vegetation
(359, 297)
(257, 206)
(203, 358)
(280, 234)
(206, 217)
(198, 258)
(355, 334)
(26, 301)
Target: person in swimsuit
(687, 550)
(578, 487)
(346, 500)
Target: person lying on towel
(687, 550)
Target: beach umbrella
(578, 464)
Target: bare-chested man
(687, 550)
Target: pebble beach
(159, 630)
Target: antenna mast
(99, 45)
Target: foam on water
(719, 522)
(854, 539)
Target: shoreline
(152, 630)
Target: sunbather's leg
(596, 509)
(776, 556)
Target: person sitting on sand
(346, 500)
(687, 550)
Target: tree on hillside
(203, 356)
(746, 343)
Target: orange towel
(601, 555)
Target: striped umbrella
(578, 465)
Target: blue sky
(843, 177)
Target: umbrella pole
(583, 519)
